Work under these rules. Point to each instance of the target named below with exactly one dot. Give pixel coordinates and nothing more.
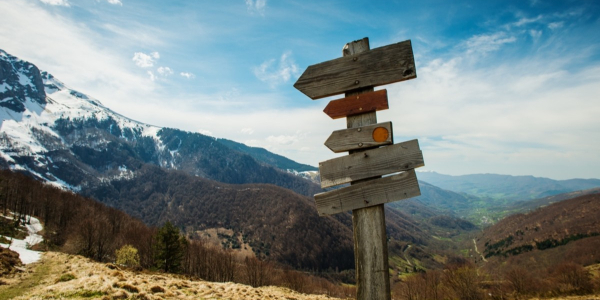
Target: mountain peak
(20, 83)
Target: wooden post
(368, 224)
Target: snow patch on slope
(26, 255)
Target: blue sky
(508, 87)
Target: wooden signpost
(355, 74)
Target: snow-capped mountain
(67, 138)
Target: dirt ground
(60, 276)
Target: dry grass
(589, 297)
(94, 280)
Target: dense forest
(275, 222)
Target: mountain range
(200, 183)
(506, 187)
(70, 139)
(251, 197)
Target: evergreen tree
(170, 248)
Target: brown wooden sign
(360, 138)
(357, 104)
(371, 163)
(376, 67)
(369, 193)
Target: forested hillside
(555, 225)
(78, 225)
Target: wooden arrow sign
(369, 193)
(371, 163)
(376, 67)
(357, 104)
(360, 138)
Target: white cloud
(535, 34)
(187, 75)
(525, 21)
(257, 6)
(116, 2)
(276, 74)
(247, 130)
(56, 2)
(135, 33)
(152, 76)
(145, 60)
(73, 53)
(164, 71)
(484, 43)
(526, 117)
(282, 139)
(205, 132)
(556, 25)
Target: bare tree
(464, 281)
(257, 272)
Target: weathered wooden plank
(368, 224)
(371, 163)
(384, 65)
(357, 104)
(360, 138)
(369, 193)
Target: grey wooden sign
(371, 163)
(384, 65)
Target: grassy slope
(94, 280)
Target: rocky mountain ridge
(67, 138)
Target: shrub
(572, 278)
(128, 256)
(157, 289)
(423, 286)
(463, 280)
(519, 280)
(66, 277)
(130, 288)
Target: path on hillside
(22, 283)
(406, 257)
(477, 251)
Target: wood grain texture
(369, 193)
(371, 163)
(384, 65)
(357, 104)
(368, 224)
(358, 138)
(371, 254)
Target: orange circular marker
(380, 134)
